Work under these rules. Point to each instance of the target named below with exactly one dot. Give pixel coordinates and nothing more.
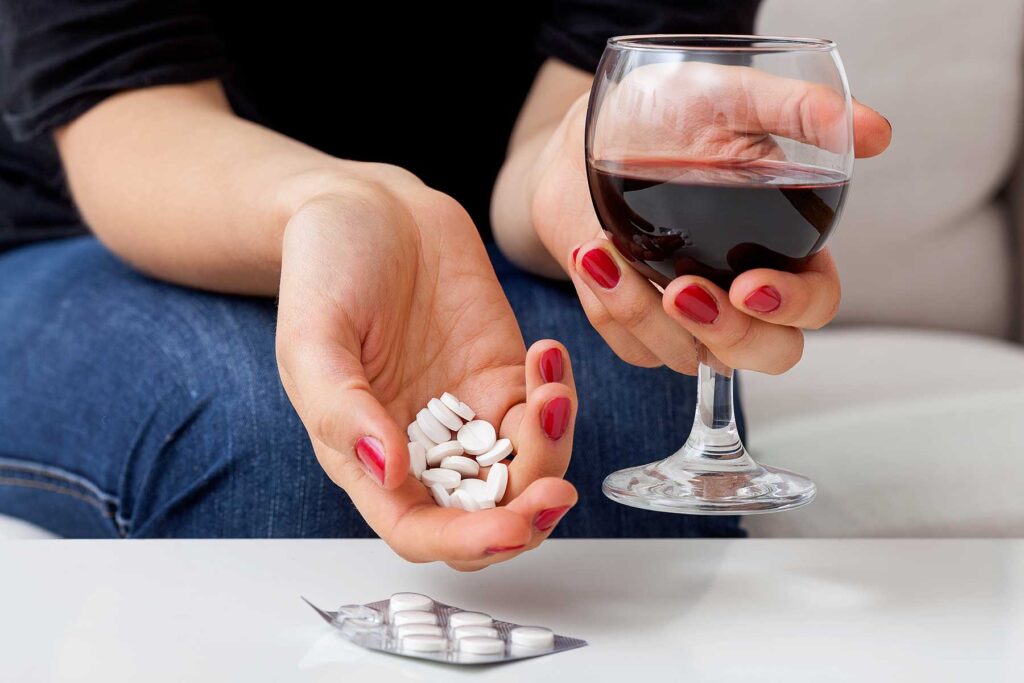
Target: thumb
(329, 389)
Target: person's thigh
(134, 408)
(627, 416)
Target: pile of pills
(447, 449)
(415, 625)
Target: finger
(737, 339)
(809, 299)
(621, 341)
(547, 361)
(329, 389)
(811, 113)
(544, 503)
(544, 437)
(872, 132)
(634, 305)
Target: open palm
(387, 299)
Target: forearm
(556, 89)
(177, 185)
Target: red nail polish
(601, 267)
(504, 549)
(696, 304)
(763, 299)
(546, 519)
(551, 366)
(574, 252)
(371, 453)
(554, 417)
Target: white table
(707, 610)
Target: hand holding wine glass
(692, 111)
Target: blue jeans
(135, 408)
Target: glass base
(689, 483)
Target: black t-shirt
(432, 87)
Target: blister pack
(414, 625)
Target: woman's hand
(387, 298)
(757, 323)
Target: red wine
(716, 220)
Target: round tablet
(469, 619)
(413, 617)
(447, 478)
(464, 501)
(401, 602)
(535, 637)
(416, 434)
(467, 467)
(466, 631)
(442, 450)
(422, 642)
(444, 414)
(434, 430)
(440, 495)
(474, 487)
(477, 437)
(418, 630)
(481, 645)
(417, 459)
(458, 407)
(501, 449)
(497, 481)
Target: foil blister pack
(414, 625)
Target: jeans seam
(55, 480)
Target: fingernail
(554, 417)
(574, 252)
(763, 299)
(546, 519)
(370, 452)
(696, 304)
(601, 267)
(504, 549)
(551, 368)
(887, 121)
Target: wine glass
(711, 155)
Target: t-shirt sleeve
(577, 30)
(58, 58)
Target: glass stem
(714, 442)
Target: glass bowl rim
(677, 42)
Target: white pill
(447, 478)
(467, 467)
(413, 617)
(464, 501)
(501, 449)
(434, 430)
(477, 437)
(444, 414)
(485, 503)
(424, 643)
(535, 637)
(417, 459)
(458, 407)
(466, 631)
(441, 496)
(401, 602)
(497, 481)
(418, 629)
(469, 619)
(416, 434)
(442, 450)
(474, 487)
(481, 645)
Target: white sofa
(907, 432)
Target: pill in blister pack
(414, 625)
